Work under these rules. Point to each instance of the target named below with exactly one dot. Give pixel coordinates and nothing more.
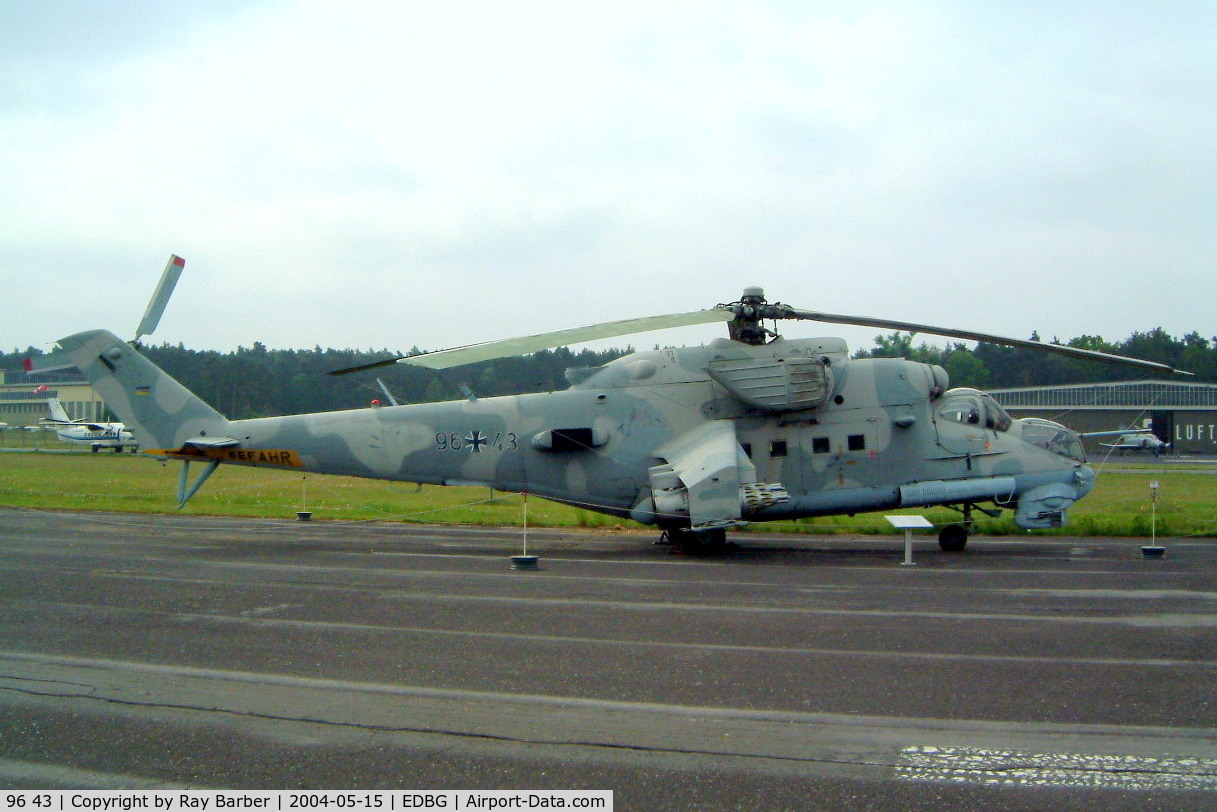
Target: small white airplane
(84, 432)
(1143, 440)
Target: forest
(261, 382)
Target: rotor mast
(749, 311)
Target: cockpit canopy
(974, 408)
(1053, 437)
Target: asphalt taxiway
(790, 673)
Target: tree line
(262, 382)
(993, 366)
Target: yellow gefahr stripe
(277, 457)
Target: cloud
(401, 174)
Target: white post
(907, 523)
(1153, 520)
(1153, 550)
(524, 561)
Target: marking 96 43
(474, 442)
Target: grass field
(1119, 506)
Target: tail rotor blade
(160, 297)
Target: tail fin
(58, 413)
(159, 411)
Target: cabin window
(820, 445)
(747, 449)
(857, 442)
(777, 448)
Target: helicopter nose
(1083, 480)
(1046, 505)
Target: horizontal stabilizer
(211, 442)
(51, 362)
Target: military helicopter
(751, 427)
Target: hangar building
(1182, 414)
(23, 397)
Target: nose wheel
(953, 538)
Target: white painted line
(973, 765)
(14, 772)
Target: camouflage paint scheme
(698, 438)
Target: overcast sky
(358, 174)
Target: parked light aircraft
(1139, 441)
(86, 432)
(752, 427)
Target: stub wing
(701, 478)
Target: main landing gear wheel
(699, 542)
(953, 538)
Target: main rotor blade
(160, 297)
(1115, 433)
(459, 356)
(472, 353)
(388, 362)
(969, 335)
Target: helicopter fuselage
(702, 437)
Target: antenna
(388, 394)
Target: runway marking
(257, 617)
(824, 741)
(1117, 594)
(1202, 736)
(265, 610)
(1183, 620)
(14, 772)
(248, 619)
(681, 564)
(974, 765)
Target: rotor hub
(746, 327)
